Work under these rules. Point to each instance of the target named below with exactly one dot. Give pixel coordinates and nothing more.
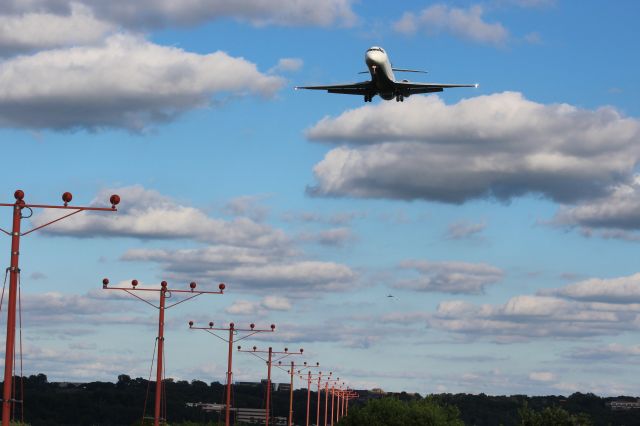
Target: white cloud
(254, 269)
(615, 215)
(42, 30)
(465, 23)
(149, 14)
(287, 65)
(542, 376)
(623, 290)
(147, 214)
(124, 82)
(495, 146)
(260, 308)
(585, 309)
(336, 237)
(464, 230)
(450, 277)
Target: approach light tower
(163, 290)
(269, 362)
(232, 332)
(292, 370)
(14, 272)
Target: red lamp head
(105, 282)
(67, 197)
(134, 283)
(231, 325)
(221, 286)
(252, 326)
(163, 284)
(114, 200)
(19, 194)
(301, 350)
(273, 327)
(211, 324)
(190, 323)
(192, 285)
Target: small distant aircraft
(383, 82)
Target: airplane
(383, 82)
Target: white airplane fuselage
(381, 72)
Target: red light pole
(291, 372)
(350, 394)
(14, 272)
(269, 362)
(326, 398)
(232, 331)
(311, 377)
(163, 290)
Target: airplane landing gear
(399, 98)
(368, 98)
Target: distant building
(617, 405)
(282, 387)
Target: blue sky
(504, 219)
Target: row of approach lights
(163, 284)
(66, 198)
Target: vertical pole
(266, 416)
(11, 313)
(159, 369)
(333, 398)
(227, 414)
(291, 395)
(326, 401)
(308, 395)
(318, 401)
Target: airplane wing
(413, 88)
(362, 88)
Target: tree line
(121, 403)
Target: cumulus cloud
(465, 23)
(527, 317)
(496, 146)
(147, 214)
(336, 237)
(610, 352)
(268, 303)
(287, 65)
(622, 290)
(125, 82)
(594, 307)
(464, 230)
(150, 14)
(615, 215)
(43, 30)
(254, 269)
(450, 277)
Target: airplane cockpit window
(376, 49)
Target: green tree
(394, 412)
(552, 416)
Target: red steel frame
(292, 371)
(232, 331)
(14, 271)
(163, 290)
(269, 362)
(326, 398)
(310, 378)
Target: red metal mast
(310, 378)
(161, 308)
(269, 362)
(232, 331)
(14, 270)
(291, 372)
